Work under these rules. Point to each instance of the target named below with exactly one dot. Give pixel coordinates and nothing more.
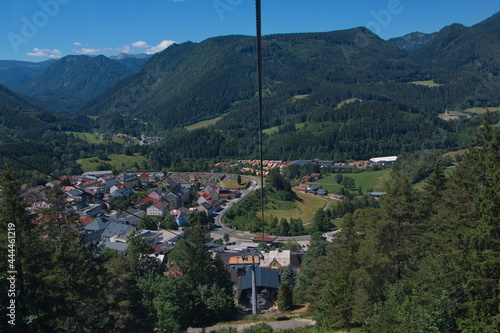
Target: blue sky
(36, 30)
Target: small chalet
(210, 208)
(313, 189)
(315, 176)
(301, 187)
(35, 194)
(180, 217)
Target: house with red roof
(157, 209)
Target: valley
(133, 182)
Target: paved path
(276, 325)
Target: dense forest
(337, 95)
(423, 261)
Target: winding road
(222, 229)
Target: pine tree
(285, 297)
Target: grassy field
(202, 124)
(89, 137)
(452, 154)
(97, 138)
(428, 83)
(116, 160)
(482, 110)
(274, 130)
(304, 208)
(420, 186)
(233, 184)
(367, 180)
(347, 101)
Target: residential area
(164, 201)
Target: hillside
(191, 82)
(195, 81)
(457, 46)
(13, 73)
(36, 136)
(309, 78)
(412, 41)
(71, 80)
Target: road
(221, 229)
(276, 325)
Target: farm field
(482, 110)
(119, 161)
(368, 179)
(202, 124)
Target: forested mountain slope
(13, 73)
(36, 136)
(67, 83)
(190, 82)
(412, 41)
(457, 46)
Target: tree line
(422, 261)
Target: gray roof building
(117, 228)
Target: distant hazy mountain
(412, 41)
(122, 56)
(67, 83)
(14, 73)
(131, 61)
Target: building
(157, 209)
(267, 285)
(387, 159)
(180, 217)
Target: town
(111, 208)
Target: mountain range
(190, 82)
(412, 41)
(63, 85)
(336, 95)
